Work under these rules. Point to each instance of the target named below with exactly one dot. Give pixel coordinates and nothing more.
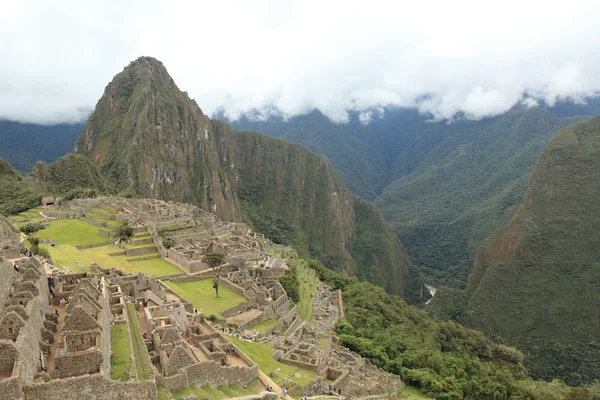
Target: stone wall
(10, 388)
(230, 285)
(240, 308)
(213, 373)
(90, 387)
(141, 251)
(89, 246)
(31, 334)
(278, 308)
(6, 272)
(85, 362)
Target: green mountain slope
(441, 358)
(147, 136)
(72, 171)
(24, 144)
(535, 281)
(319, 134)
(443, 186)
(465, 188)
(16, 193)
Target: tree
(31, 229)
(215, 261)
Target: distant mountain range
(443, 186)
(24, 144)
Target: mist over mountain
(444, 186)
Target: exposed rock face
(535, 281)
(150, 138)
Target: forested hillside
(443, 186)
(535, 281)
(24, 144)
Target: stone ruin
(71, 358)
(52, 351)
(10, 246)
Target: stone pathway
(54, 346)
(267, 381)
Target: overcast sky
(476, 57)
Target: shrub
(124, 232)
(212, 318)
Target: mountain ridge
(147, 136)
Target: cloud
(277, 57)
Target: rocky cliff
(148, 137)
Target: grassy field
(120, 359)
(71, 232)
(70, 258)
(202, 295)
(308, 286)
(142, 361)
(261, 355)
(265, 325)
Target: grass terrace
(261, 355)
(309, 281)
(142, 361)
(120, 359)
(67, 233)
(202, 295)
(264, 325)
(71, 232)
(220, 392)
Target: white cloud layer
(475, 58)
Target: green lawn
(261, 355)
(120, 359)
(142, 361)
(202, 295)
(71, 232)
(69, 258)
(265, 325)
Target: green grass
(264, 325)
(69, 258)
(412, 393)
(120, 359)
(202, 295)
(261, 355)
(163, 394)
(103, 211)
(309, 281)
(142, 361)
(71, 232)
(213, 393)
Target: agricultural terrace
(120, 359)
(68, 233)
(262, 355)
(202, 295)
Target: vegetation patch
(265, 325)
(202, 295)
(261, 355)
(142, 361)
(120, 359)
